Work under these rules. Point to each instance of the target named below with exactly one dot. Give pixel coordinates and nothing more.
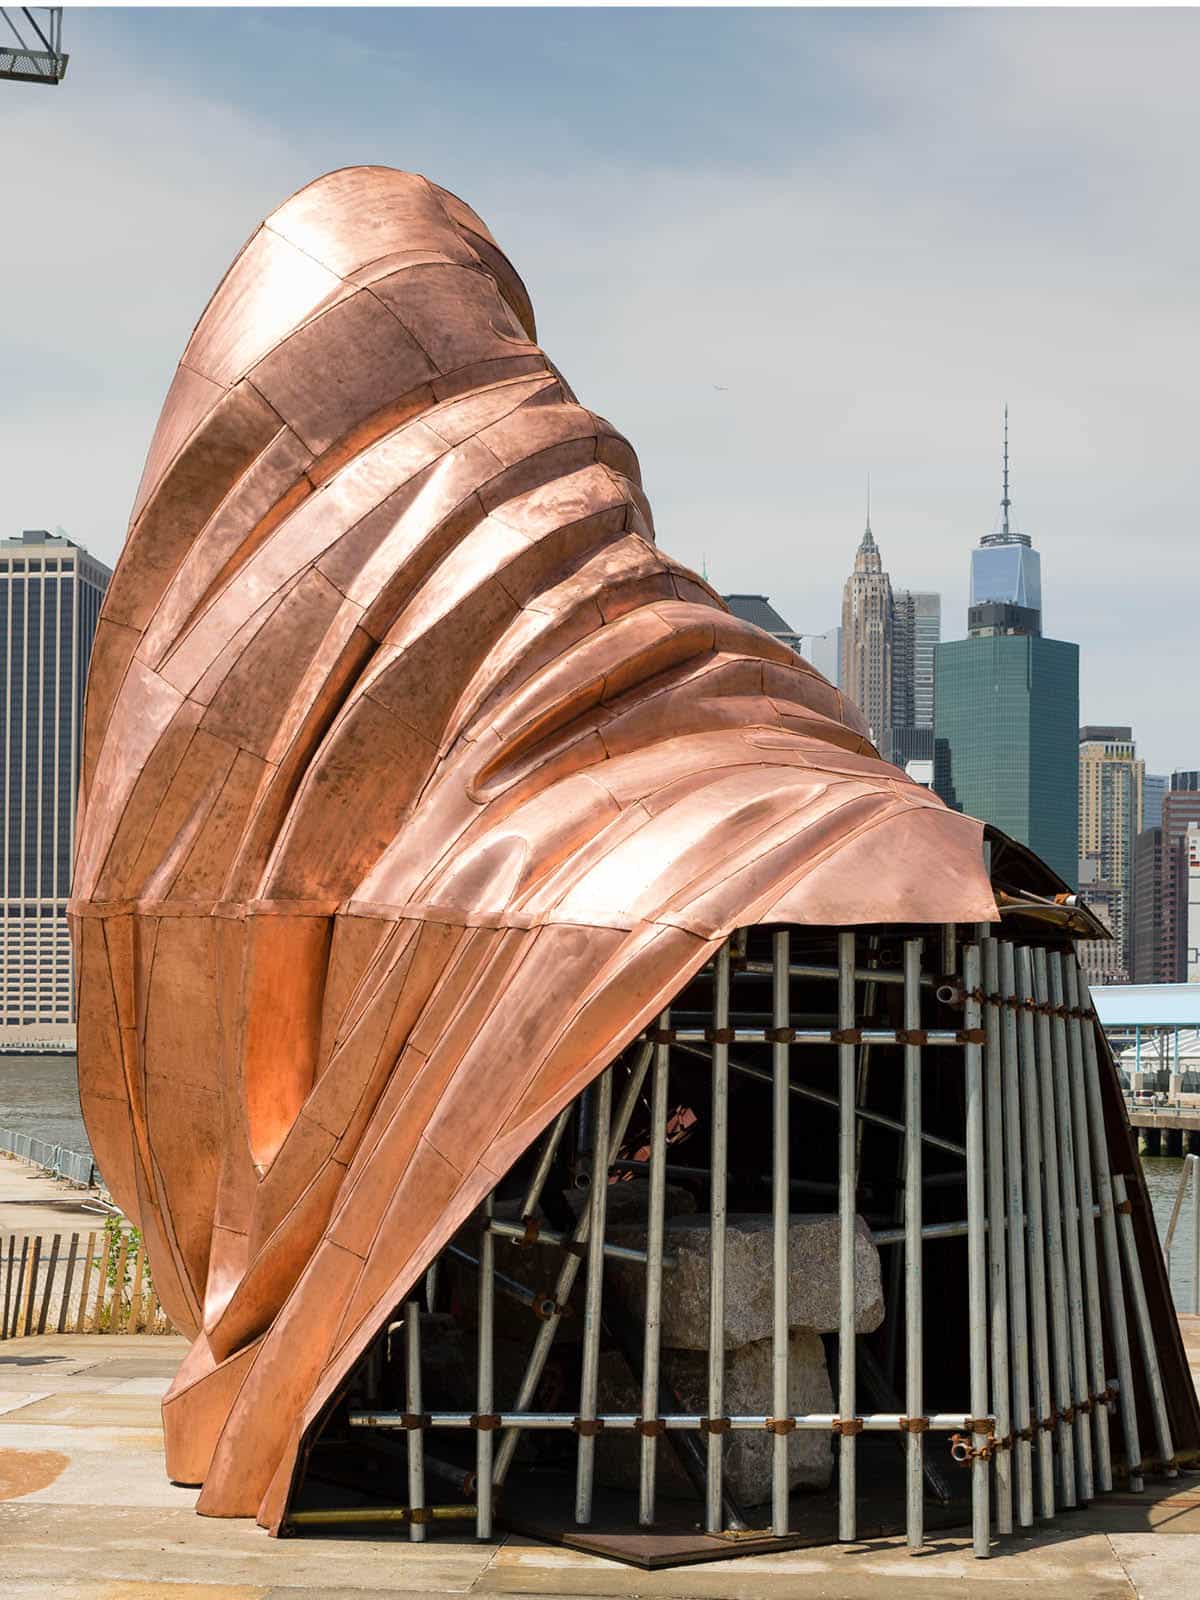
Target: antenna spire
(868, 502)
(1006, 501)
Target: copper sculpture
(416, 779)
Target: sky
(780, 249)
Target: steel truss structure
(37, 55)
(953, 1065)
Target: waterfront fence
(97, 1282)
(73, 1165)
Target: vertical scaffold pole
(1098, 1383)
(540, 1353)
(976, 1246)
(718, 1169)
(1015, 1193)
(416, 1436)
(1117, 1311)
(1137, 1290)
(780, 1219)
(654, 1273)
(590, 1376)
(1071, 1223)
(1043, 1398)
(847, 1192)
(914, 1351)
(486, 1395)
(1054, 1224)
(997, 1264)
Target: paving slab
(31, 1202)
(14, 1399)
(74, 1544)
(1056, 1569)
(1159, 1569)
(91, 1410)
(86, 1513)
(136, 1590)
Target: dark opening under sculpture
(417, 782)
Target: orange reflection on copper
(416, 779)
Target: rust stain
(26, 1471)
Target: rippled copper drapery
(416, 779)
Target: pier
(1165, 1130)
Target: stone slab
(748, 1381)
(14, 1399)
(110, 1408)
(813, 1298)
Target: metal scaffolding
(1047, 1257)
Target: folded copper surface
(416, 778)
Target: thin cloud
(887, 225)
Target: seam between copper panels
(408, 735)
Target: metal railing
(1189, 1174)
(1172, 1108)
(73, 1165)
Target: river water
(1162, 1180)
(39, 1095)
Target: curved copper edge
(416, 779)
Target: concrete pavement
(30, 1202)
(87, 1514)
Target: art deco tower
(867, 637)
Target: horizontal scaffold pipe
(539, 1235)
(770, 1035)
(820, 1098)
(815, 1422)
(941, 1230)
(893, 975)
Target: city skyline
(959, 209)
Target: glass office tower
(1006, 739)
(50, 596)
(1005, 567)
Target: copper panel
(417, 779)
(330, 374)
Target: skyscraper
(1005, 737)
(1006, 575)
(916, 631)
(1149, 964)
(867, 637)
(1154, 786)
(1191, 919)
(1181, 806)
(1110, 819)
(50, 594)
(916, 634)
(1006, 705)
